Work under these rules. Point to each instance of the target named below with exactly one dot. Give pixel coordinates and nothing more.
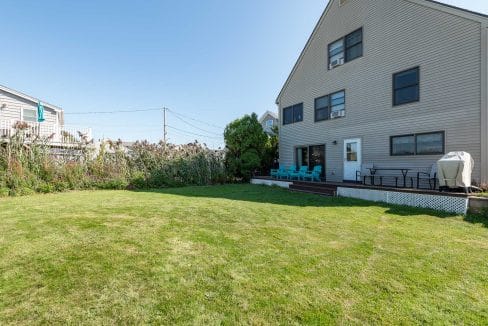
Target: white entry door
(352, 158)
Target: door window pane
(317, 157)
(302, 156)
(403, 145)
(352, 152)
(430, 143)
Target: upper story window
(431, 143)
(293, 114)
(269, 123)
(330, 106)
(406, 86)
(346, 49)
(29, 115)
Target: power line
(196, 120)
(192, 133)
(112, 112)
(196, 127)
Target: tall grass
(34, 166)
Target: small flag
(40, 112)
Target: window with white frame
(29, 115)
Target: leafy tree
(271, 154)
(246, 144)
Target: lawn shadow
(278, 196)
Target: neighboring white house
(18, 109)
(269, 120)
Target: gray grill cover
(455, 169)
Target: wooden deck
(330, 188)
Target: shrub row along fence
(34, 166)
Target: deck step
(315, 184)
(311, 192)
(311, 188)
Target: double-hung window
(346, 49)
(322, 108)
(354, 45)
(29, 115)
(337, 104)
(330, 106)
(406, 86)
(432, 143)
(293, 114)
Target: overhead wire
(196, 127)
(192, 133)
(196, 120)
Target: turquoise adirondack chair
(313, 175)
(275, 173)
(299, 174)
(288, 172)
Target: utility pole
(164, 125)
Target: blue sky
(212, 60)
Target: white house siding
(15, 104)
(397, 35)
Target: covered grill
(454, 171)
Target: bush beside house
(248, 147)
(30, 168)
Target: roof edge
(29, 98)
(300, 57)
(459, 8)
(268, 112)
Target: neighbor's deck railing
(53, 133)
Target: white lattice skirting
(450, 204)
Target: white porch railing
(52, 133)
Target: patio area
(329, 188)
(451, 202)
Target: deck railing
(45, 131)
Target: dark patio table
(404, 172)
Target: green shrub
(4, 192)
(28, 169)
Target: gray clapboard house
(268, 121)
(17, 108)
(390, 82)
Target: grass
(236, 254)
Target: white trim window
(29, 115)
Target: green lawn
(236, 254)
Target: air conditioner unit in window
(337, 114)
(336, 63)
